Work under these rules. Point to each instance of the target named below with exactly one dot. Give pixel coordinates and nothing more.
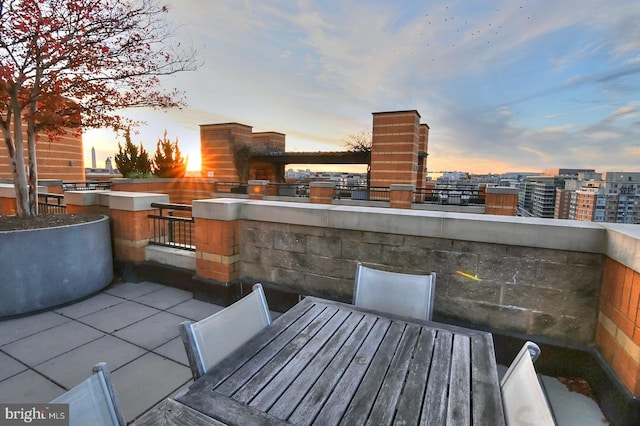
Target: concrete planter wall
(43, 268)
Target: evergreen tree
(168, 160)
(131, 160)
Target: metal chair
(523, 397)
(210, 340)
(94, 401)
(395, 293)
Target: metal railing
(450, 196)
(86, 185)
(51, 204)
(173, 226)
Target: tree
(74, 64)
(358, 142)
(132, 161)
(168, 160)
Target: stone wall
(536, 291)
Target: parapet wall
(540, 278)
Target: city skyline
(505, 86)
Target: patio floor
(133, 327)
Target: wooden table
(325, 362)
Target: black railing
(86, 185)
(51, 204)
(173, 226)
(450, 196)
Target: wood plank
(487, 398)
(384, 407)
(459, 409)
(264, 346)
(345, 341)
(224, 409)
(410, 403)
(265, 387)
(273, 358)
(360, 346)
(348, 383)
(434, 409)
(360, 405)
(173, 413)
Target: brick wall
(618, 332)
(216, 152)
(394, 148)
(59, 159)
(182, 190)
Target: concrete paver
(194, 310)
(44, 355)
(164, 298)
(15, 329)
(28, 386)
(118, 317)
(174, 350)
(152, 331)
(89, 306)
(9, 366)
(50, 343)
(73, 367)
(146, 381)
(133, 290)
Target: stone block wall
(535, 291)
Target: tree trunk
(15, 147)
(33, 169)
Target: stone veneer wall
(529, 290)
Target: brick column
(618, 332)
(217, 231)
(394, 148)
(322, 192)
(501, 201)
(401, 196)
(257, 189)
(131, 229)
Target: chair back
(395, 293)
(523, 397)
(93, 402)
(210, 340)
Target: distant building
(612, 197)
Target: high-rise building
(614, 198)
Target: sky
(504, 86)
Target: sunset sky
(504, 85)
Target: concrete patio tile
(9, 367)
(28, 386)
(15, 329)
(195, 310)
(174, 350)
(153, 331)
(50, 343)
(145, 381)
(165, 298)
(133, 290)
(89, 306)
(118, 316)
(73, 367)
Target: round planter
(43, 268)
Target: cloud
(626, 110)
(558, 129)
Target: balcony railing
(173, 226)
(86, 185)
(51, 204)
